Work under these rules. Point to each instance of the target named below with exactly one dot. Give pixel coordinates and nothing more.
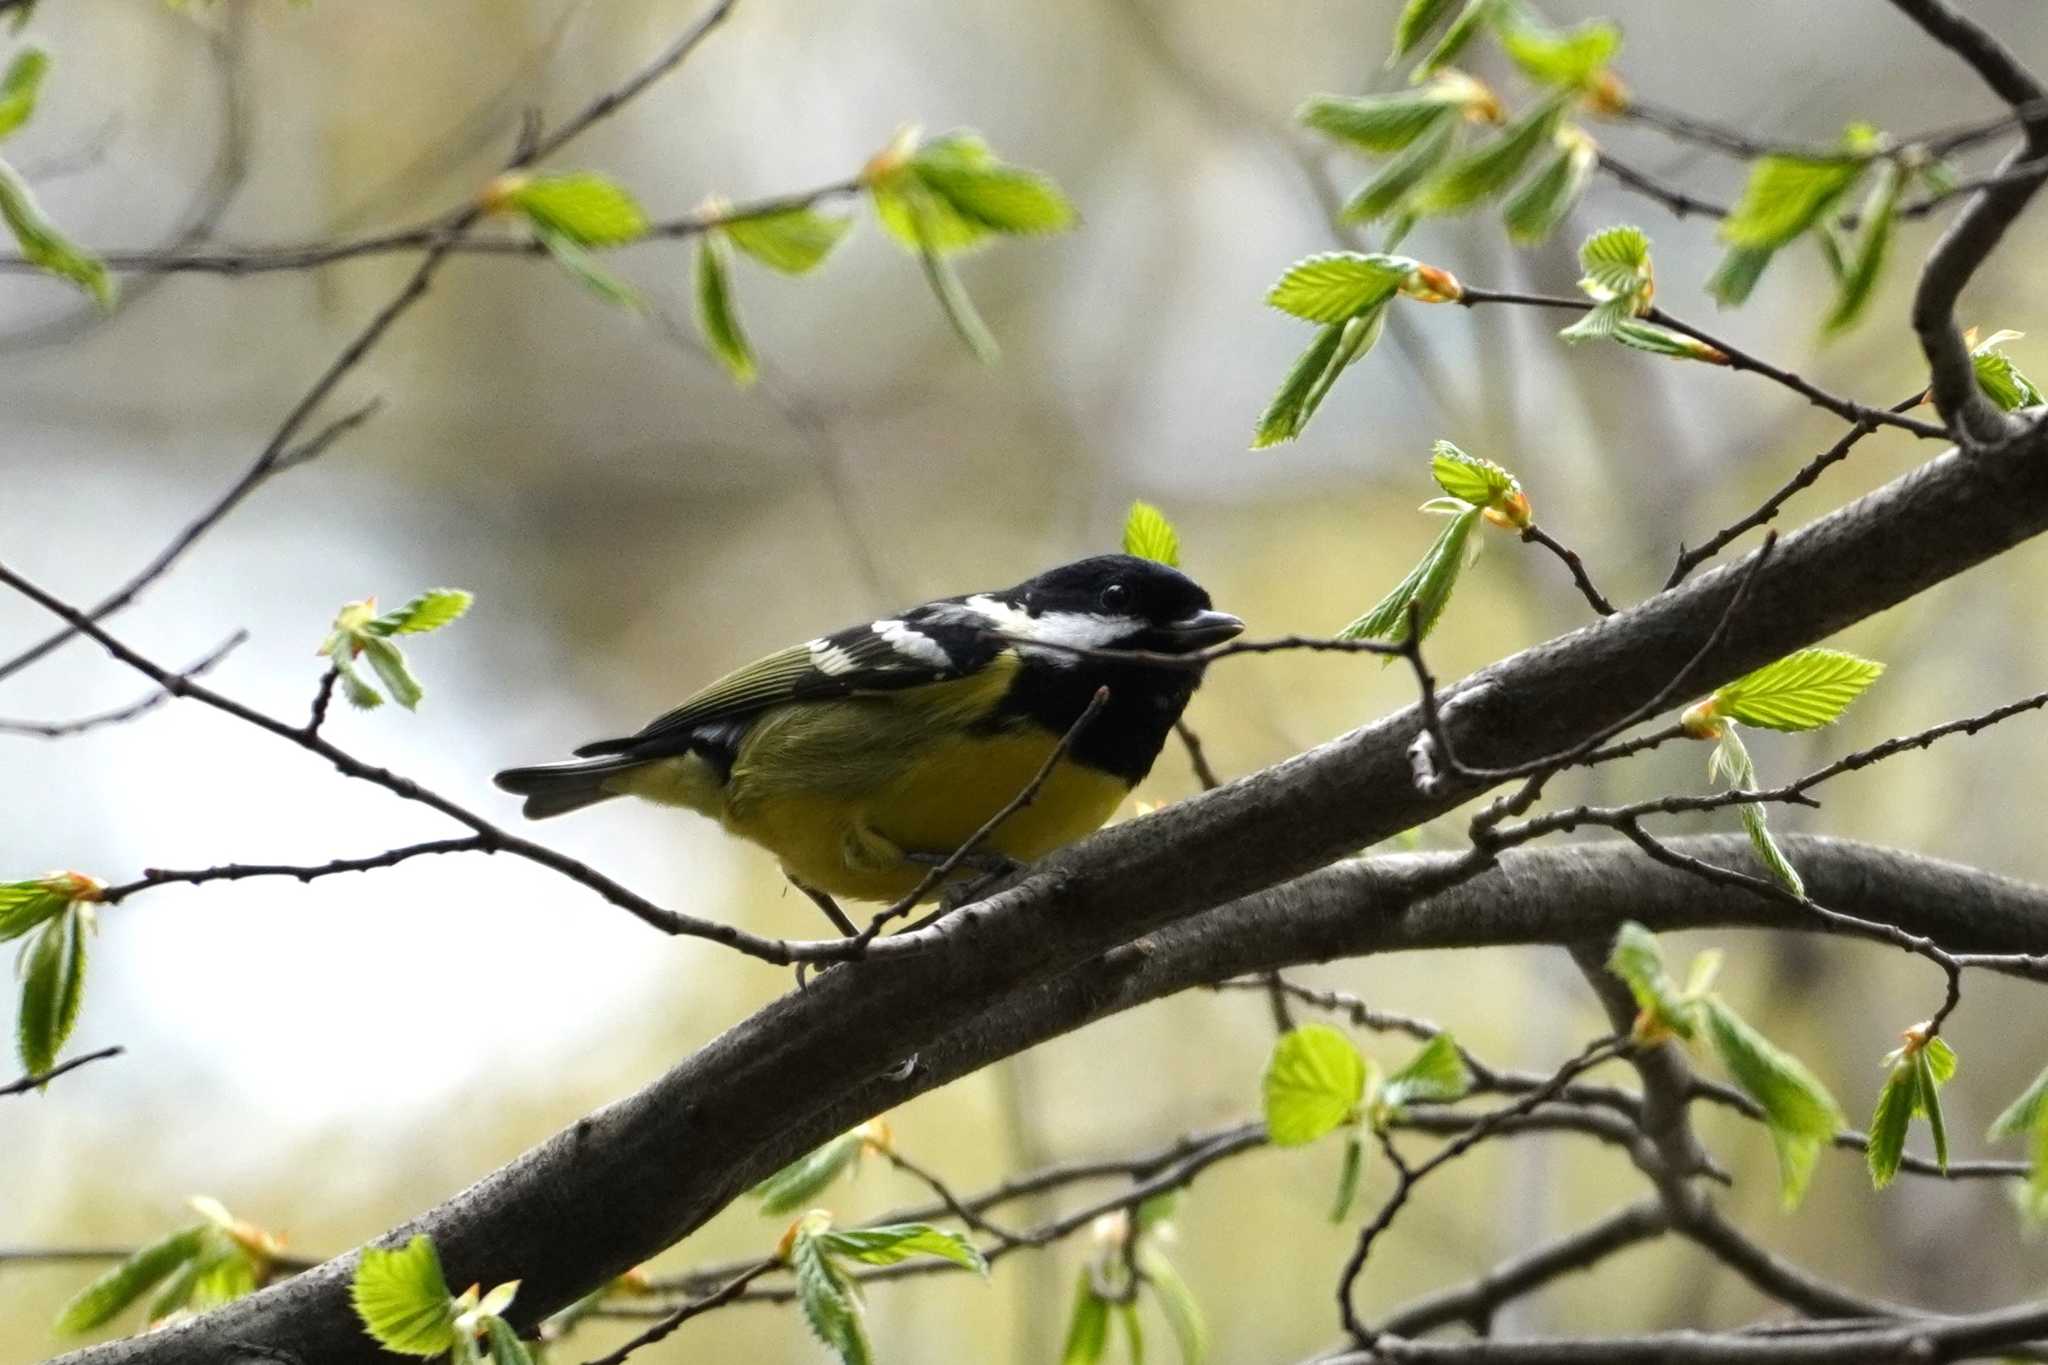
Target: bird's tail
(558, 788)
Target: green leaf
(1786, 195)
(1418, 17)
(1177, 1302)
(1802, 691)
(1149, 535)
(1928, 1102)
(1382, 123)
(1470, 478)
(960, 169)
(1801, 1114)
(794, 241)
(1338, 347)
(587, 209)
(1378, 196)
(1774, 859)
(19, 87)
(1888, 1124)
(1134, 1332)
(226, 1276)
(1941, 1060)
(1739, 271)
(1335, 285)
(52, 987)
(827, 1298)
(946, 287)
(1648, 336)
(1491, 167)
(1436, 1074)
(1428, 585)
(360, 694)
(1462, 31)
(388, 662)
(24, 905)
(798, 1183)
(102, 1300)
(1867, 252)
(1569, 58)
(2026, 1114)
(177, 1291)
(1539, 207)
(506, 1347)
(1314, 1081)
(1347, 1177)
(1617, 264)
(1638, 960)
(716, 320)
(1999, 377)
(893, 1242)
(584, 269)
(1087, 1326)
(431, 610)
(403, 1299)
(45, 247)
(1599, 322)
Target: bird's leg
(828, 905)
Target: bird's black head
(1116, 602)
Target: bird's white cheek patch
(912, 643)
(1077, 630)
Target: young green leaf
(1314, 1081)
(360, 694)
(798, 1183)
(1999, 377)
(1786, 195)
(1617, 264)
(506, 1347)
(1436, 1074)
(1888, 1124)
(794, 241)
(1541, 206)
(716, 320)
(1336, 285)
(1731, 760)
(583, 268)
(1347, 1176)
(1489, 169)
(1087, 1326)
(1289, 411)
(178, 1290)
(1379, 196)
(1134, 1331)
(388, 662)
(430, 611)
(226, 1276)
(1459, 35)
(1638, 960)
(1176, 1301)
(960, 169)
(1801, 1114)
(1428, 585)
(1598, 322)
(1735, 279)
(1149, 535)
(1802, 691)
(945, 284)
(1418, 17)
(587, 209)
(827, 1297)
(19, 87)
(45, 247)
(1382, 123)
(2028, 1115)
(25, 905)
(1928, 1099)
(1470, 478)
(1569, 58)
(1648, 336)
(403, 1299)
(104, 1299)
(1867, 252)
(52, 987)
(890, 1243)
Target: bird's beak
(1203, 629)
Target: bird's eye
(1115, 597)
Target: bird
(862, 759)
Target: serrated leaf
(20, 86)
(1314, 1081)
(793, 242)
(588, 209)
(359, 693)
(1888, 1123)
(1941, 1059)
(1177, 1302)
(1087, 1326)
(506, 1347)
(1802, 691)
(798, 1183)
(403, 1300)
(959, 169)
(1437, 1074)
(1786, 195)
(893, 1242)
(1338, 347)
(1734, 280)
(224, 1278)
(1598, 322)
(583, 268)
(1562, 57)
(24, 905)
(1347, 1177)
(1418, 17)
(1648, 336)
(1927, 1103)
(1541, 206)
(1801, 1114)
(1381, 123)
(717, 322)
(388, 662)
(45, 247)
(1617, 261)
(1999, 377)
(1490, 168)
(1149, 535)
(2025, 1114)
(1379, 196)
(104, 1299)
(1866, 253)
(1638, 960)
(52, 988)
(903, 199)
(1428, 585)
(1336, 285)
(1773, 857)
(431, 610)
(945, 285)
(828, 1300)
(1470, 478)
(1462, 31)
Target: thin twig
(37, 1082)
(724, 1294)
(303, 872)
(1536, 535)
(43, 729)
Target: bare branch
(37, 1082)
(43, 729)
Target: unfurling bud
(1607, 95)
(501, 193)
(1511, 512)
(1429, 284)
(885, 164)
(1701, 721)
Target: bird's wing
(882, 656)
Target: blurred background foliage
(330, 1059)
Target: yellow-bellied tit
(861, 758)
